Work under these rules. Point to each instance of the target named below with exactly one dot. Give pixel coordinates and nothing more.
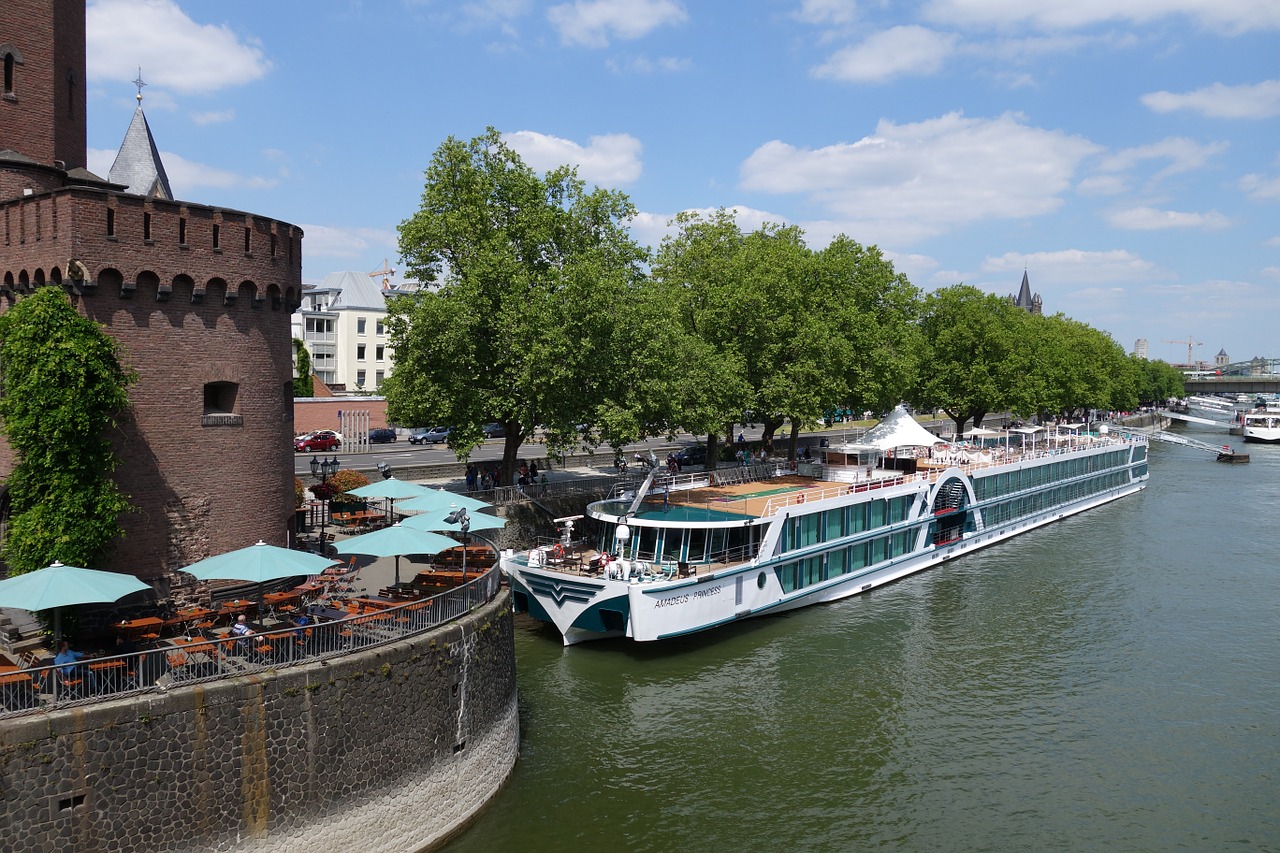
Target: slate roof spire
(138, 164)
(1025, 300)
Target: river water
(1111, 681)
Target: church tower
(42, 96)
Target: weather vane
(139, 82)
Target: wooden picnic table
(142, 628)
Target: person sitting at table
(70, 664)
(242, 630)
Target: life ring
(557, 551)
(800, 498)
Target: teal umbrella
(435, 520)
(392, 489)
(395, 541)
(258, 564)
(57, 586)
(440, 499)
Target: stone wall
(389, 749)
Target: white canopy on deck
(898, 429)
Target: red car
(325, 439)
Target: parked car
(382, 436)
(437, 435)
(434, 435)
(493, 431)
(322, 440)
(693, 455)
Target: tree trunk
(770, 427)
(713, 452)
(795, 440)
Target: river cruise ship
(1263, 423)
(688, 552)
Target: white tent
(898, 429)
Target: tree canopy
(540, 315)
(64, 387)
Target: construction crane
(1190, 342)
(386, 272)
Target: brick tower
(199, 298)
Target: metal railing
(329, 633)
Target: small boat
(687, 552)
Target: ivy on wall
(64, 387)
(302, 382)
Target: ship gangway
(1222, 452)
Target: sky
(1124, 153)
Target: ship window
(835, 524)
(877, 513)
(808, 534)
(836, 562)
(761, 580)
(671, 546)
(697, 546)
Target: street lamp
(459, 517)
(323, 469)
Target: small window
(220, 398)
(217, 236)
(146, 226)
(111, 222)
(380, 352)
(360, 378)
(381, 329)
(378, 377)
(273, 245)
(360, 352)
(360, 326)
(8, 74)
(247, 232)
(182, 230)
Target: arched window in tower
(8, 74)
(71, 94)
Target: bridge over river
(1256, 376)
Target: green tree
(302, 386)
(64, 388)
(970, 344)
(535, 278)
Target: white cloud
(1152, 219)
(185, 175)
(1103, 185)
(608, 160)
(645, 65)
(592, 22)
(914, 180)
(1226, 16)
(1271, 272)
(213, 117)
(330, 241)
(1184, 155)
(1260, 187)
(1274, 241)
(174, 51)
(890, 53)
(1072, 266)
(837, 12)
(1259, 100)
